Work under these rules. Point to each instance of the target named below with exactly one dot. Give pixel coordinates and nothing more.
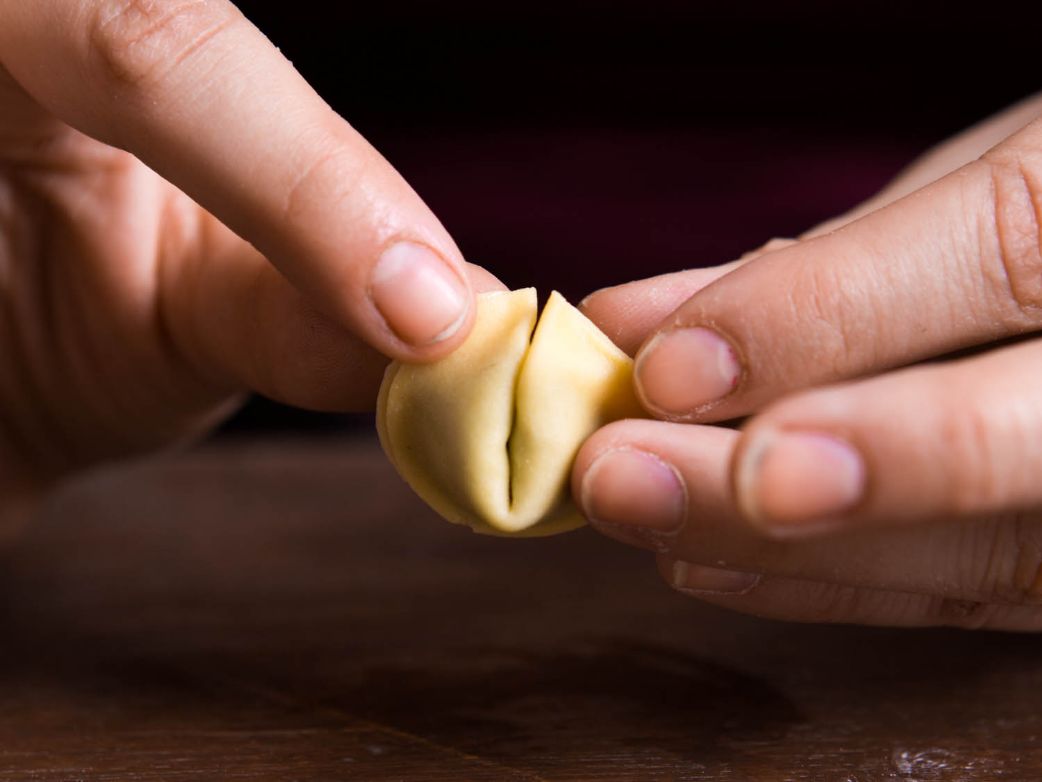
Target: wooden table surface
(287, 610)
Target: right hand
(860, 489)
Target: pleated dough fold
(488, 435)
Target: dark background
(572, 145)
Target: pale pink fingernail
(634, 496)
(686, 369)
(703, 580)
(797, 482)
(419, 295)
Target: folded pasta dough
(487, 436)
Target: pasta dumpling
(487, 436)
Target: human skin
(876, 478)
(184, 220)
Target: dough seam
(514, 410)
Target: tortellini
(487, 436)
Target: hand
(136, 310)
(858, 491)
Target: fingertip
(612, 312)
(618, 434)
(482, 280)
(474, 281)
(635, 496)
(797, 483)
(628, 313)
(613, 435)
(592, 303)
(422, 299)
(681, 373)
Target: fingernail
(418, 294)
(635, 497)
(686, 369)
(702, 580)
(799, 482)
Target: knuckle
(963, 614)
(1006, 557)
(827, 306)
(984, 453)
(333, 176)
(1027, 560)
(136, 43)
(1013, 227)
(968, 442)
(844, 603)
(825, 602)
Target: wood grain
(288, 611)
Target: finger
(954, 265)
(934, 442)
(800, 600)
(202, 97)
(952, 154)
(666, 487)
(22, 120)
(242, 325)
(628, 313)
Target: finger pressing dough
(488, 435)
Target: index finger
(953, 265)
(201, 96)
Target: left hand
(183, 220)
(858, 491)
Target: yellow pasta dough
(487, 436)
